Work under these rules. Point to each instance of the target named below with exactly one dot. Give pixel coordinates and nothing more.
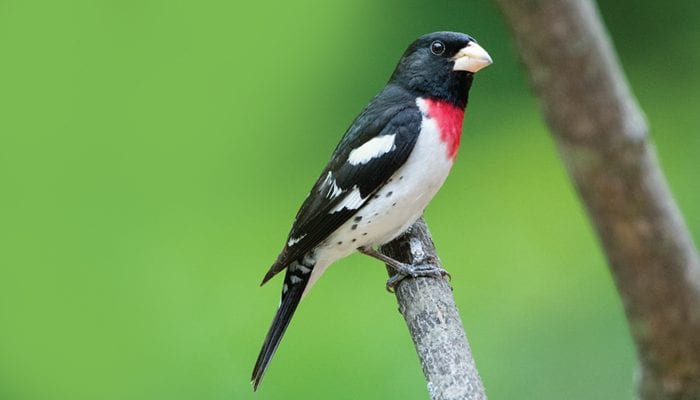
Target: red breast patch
(449, 120)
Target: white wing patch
(293, 241)
(328, 180)
(304, 269)
(352, 201)
(373, 148)
(329, 184)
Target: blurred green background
(153, 155)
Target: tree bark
(433, 321)
(603, 139)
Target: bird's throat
(449, 120)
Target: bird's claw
(415, 271)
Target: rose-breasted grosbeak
(388, 166)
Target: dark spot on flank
(400, 177)
(353, 227)
(376, 196)
(339, 243)
(354, 240)
(393, 205)
(390, 179)
(358, 218)
(364, 234)
(376, 214)
(389, 194)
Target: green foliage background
(154, 153)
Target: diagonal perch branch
(434, 323)
(603, 140)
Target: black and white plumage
(381, 176)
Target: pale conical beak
(471, 58)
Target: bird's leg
(398, 266)
(424, 268)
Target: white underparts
(422, 106)
(373, 148)
(352, 201)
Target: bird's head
(441, 65)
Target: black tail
(294, 284)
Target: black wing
(344, 183)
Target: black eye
(437, 47)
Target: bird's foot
(426, 267)
(423, 269)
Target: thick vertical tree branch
(434, 323)
(603, 139)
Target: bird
(387, 167)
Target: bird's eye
(437, 47)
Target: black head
(441, 65)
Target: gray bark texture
(433, 320)
(603, 139)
